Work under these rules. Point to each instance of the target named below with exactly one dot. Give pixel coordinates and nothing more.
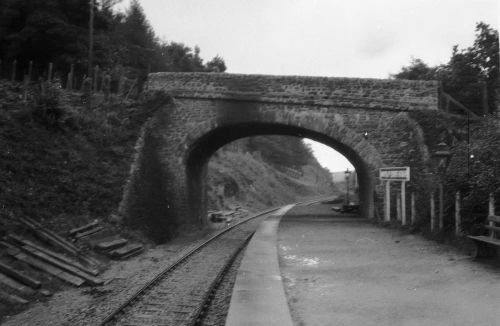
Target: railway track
(179, 294)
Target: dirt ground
(351, 273)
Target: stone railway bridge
(372, 122)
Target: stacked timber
(52, 254)
(105, 242)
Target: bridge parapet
(376, 94)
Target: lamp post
(91, 49)
(347, 175)
(441, 158)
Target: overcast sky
(338, 38)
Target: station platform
(258, 295)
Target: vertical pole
(347, 190)
(14, 67)
(387, 201)
(433, 212)
(49, 75)
(441, 206)
(413, 216)
(403, 202)
(69, 85)
(458, 220)
(30, 70)
(398, 208)
(91, 49)
(491, 208)
(96, 77)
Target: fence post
(398, 208)
(433, 212)
(69, 84)
(120, 85)
(14, 67)
(403, 202)
(458, 219)
(49, 76)
(491, 207)
(441, 206)
(96, 78)
(412, 216)
(387, 212)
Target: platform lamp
(347, 176)
(91, 48)
(441, 158)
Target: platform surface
(258, 295)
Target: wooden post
(387, 201)
(491, 207)
(49, 75)
(14, 67)
(413, 215)
(398, 208)
(71, 77)
(403, 202)
(120, 85)
(96, 77)
(91, 49)
(433, 212)
(458, 220)
(30, 70)
(441, 206)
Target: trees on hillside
(57, 31)
(471, 75)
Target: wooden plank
(65, 267)
(83, 228)
(54, 236)
(49, 237)
(494, 218)
(6, 245)
(58, 256)
(127, 251)
(27, 280)
(483, 238)
(57, 272)
(13, 284)
(12, 298)
(492, 228)
(80, 235)
(57, 240)
(110, 245)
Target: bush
(475, 171)
(46, 103)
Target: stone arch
(211, 135)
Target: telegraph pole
(91, 49)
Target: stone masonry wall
(369, 121)
(384, 94)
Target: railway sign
(395, 173)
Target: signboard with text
(395, 173)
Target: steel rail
(116, 312)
